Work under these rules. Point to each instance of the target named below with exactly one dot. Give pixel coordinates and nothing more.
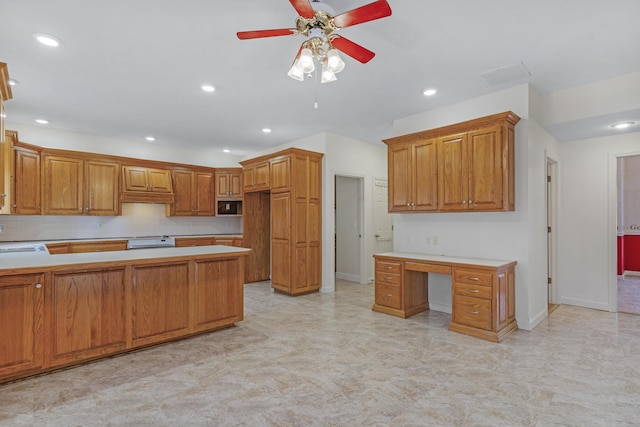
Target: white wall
(51, 138)
(348, 203)
(588, 214)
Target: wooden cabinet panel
(88, 317)
(256, 176)
(21, 324)
(281, 256)
(218, 293)
(107, 246)
(229, 184)
(193, 193)
(62, 184)
(463, 167)
(146, 185)
(160, 302)
(473, 312)
(102, 187)
(281, 173)
(73, 186)
(5, 144)
(26, 182)
(485, 169)
(182, 242)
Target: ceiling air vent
(513, 73)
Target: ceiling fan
(318, 22)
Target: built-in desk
(483, 290)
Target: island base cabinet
(88, 315)
(160, 302)
(21, 321)
(219, 293)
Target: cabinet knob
(38, 286)
(470, 201)
(464, 202)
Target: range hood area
(146, 185)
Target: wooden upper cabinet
(229, 183)
(412, 169)
(256, 176)
(193, 193)
(146, 185)
(464, 167)
(25, 187)
(281, 173)
(73, 186)
(5, 144)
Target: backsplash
(138, 219)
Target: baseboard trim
(585, 303)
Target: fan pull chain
(315, 101)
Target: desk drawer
(389, 296)
(472, 277)
(474, 312)
(388, 278)
(474, 291)
(387, 267)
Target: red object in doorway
(620, 255)
(631, 251)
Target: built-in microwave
(229, 207)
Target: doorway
(348, 207)
(628, 235)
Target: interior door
(382, 220)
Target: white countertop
(446, 259)
(38, 259)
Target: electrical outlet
(428, 240)
(1, 228)
(435, 240)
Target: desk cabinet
(483, 291)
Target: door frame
(552, 164)
(363, 239)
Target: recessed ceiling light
(266, 130)
(226, 150)
(149, 138)
(47, 40)
(430, 92)
(42, 121)
(13, 82)
(623, 125)
(207, 88)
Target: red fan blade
(352, 49)
(376, 10)
(304, 9)
(245, 35)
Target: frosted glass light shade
(305, 63)
(335, 64)
(295, 72)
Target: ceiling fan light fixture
(328, 76)
(335, 64)
(295, 72)
(305, 62)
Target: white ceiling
(127, 69)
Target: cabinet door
(248, 178)
(183, 185)
(400, 194)
(63, 185)
(281, 243)
(26, 183)
(235, 184)
(21, 321)
(486, 168)
(135, 178)
(281, 173)
(453, 173)
(203, 194)
(88, 317)
(160, 181)
(424, 176)
(160, 302)
(102, 188)
(218, 293)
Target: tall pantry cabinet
(293, 212)
(5, 145)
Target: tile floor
(328, 360)
(629, 294)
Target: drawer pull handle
(472, 312)
(472, 291)
(388, 295)
(388, 267)
(475, 279)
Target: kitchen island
(62, 310)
